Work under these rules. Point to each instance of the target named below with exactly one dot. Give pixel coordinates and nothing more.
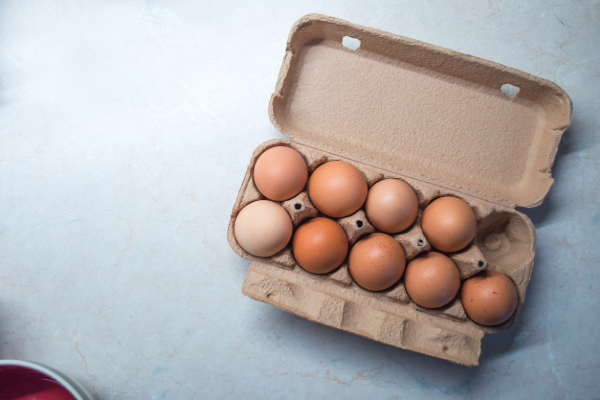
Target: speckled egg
(432, 280)
(377, 262)
(489, 298)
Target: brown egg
(337, 189)
(489, 298)
(280, 173)
(263, 228)
(391, 205)
(449, 224)
(432, 280)
(320, 245)
(377, 262)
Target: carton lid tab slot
(351, 43)
(509, 90)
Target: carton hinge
(496, 202)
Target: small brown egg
(391, 205)
(377, 262)
(320, 245)
(280, 173)
(338, 189)
(263, 228)
(449, 224)
(432, 280)
(489, 298)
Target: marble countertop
(125, 132)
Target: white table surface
(125, 132)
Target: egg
(449, 224)
(338, 189)
(377, 262)
(280, 173)
(320, 245)
(489, 298)
(391, 206)
(263, 228)
(432, 280)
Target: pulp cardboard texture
(434, 118)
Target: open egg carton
(435, 119)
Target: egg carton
(504, 236)
(358, 106)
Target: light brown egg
(377, 262)
(449, 224)
(391, 205)
(320, 245)
(280, 173)
(432, 280)
(337, 189)
(489, 298)
(263, 228)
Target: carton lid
(419, 110)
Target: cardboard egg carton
(433, 118)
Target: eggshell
(449, 224)
(263, 228)
(391, 205)
(377, 262)
(338, 189)
(280, 173)
(489, 298)
(432, 280)
(320, 245)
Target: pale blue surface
(125, 132)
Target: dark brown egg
(449, 224)
(320, 245)
(432, 280)
(280, 173)
(489, 298)
(377, 262)
(338, 189)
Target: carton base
(379, 319)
